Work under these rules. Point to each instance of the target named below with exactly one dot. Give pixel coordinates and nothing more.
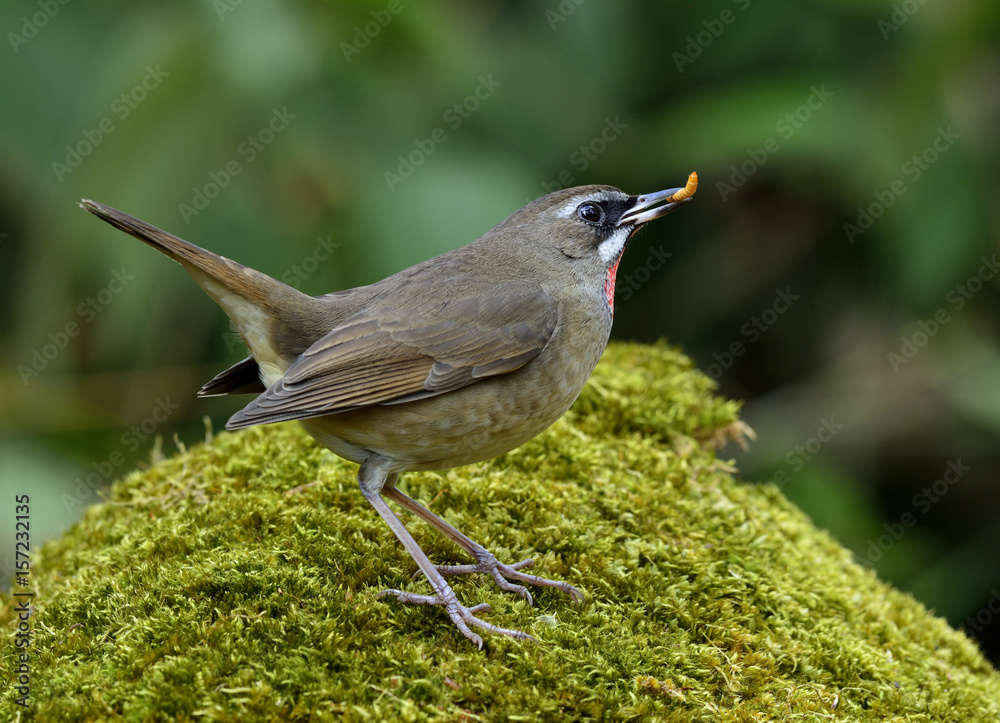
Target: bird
(458, 359)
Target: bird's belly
(467, 425)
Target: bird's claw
(487, 562)
(461, 615)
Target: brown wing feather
(384, 355)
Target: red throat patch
(609, 284)
(612, 275)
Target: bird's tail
(265, 310)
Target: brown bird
(458, 359)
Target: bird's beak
(646, 207)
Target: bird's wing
(388, 355)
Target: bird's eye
(590, 212)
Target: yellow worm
(689, 188)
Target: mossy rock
(203, 590)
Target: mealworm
(689, 188)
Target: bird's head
(591, 225)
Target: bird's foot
(487, 562)
(461, 615)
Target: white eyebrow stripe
(568, 210)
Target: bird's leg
(485, 560)
(372, 480)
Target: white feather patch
(611, 247)
(253, 324)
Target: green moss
(203, 590)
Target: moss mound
(203, 590)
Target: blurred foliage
(799, 117)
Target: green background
(798, 116)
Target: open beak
(647, 207)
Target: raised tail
(211, 271)
(277, 322)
